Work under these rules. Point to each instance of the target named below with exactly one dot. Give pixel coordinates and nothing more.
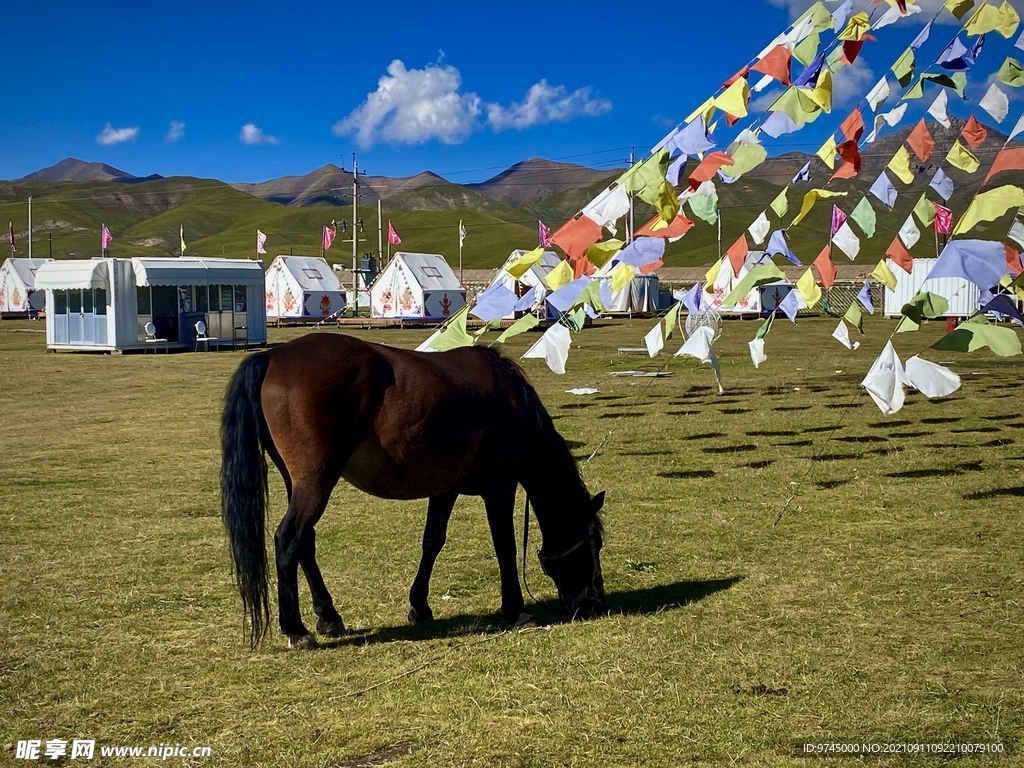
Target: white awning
(63, 275)
(197, 272)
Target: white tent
(18, 294)
(726, 281)
(641, 295)
(105, 304)
(417, 286)
(533, 276)
(302, 288)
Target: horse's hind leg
(435, 533)
(329, 621)
(294, 542)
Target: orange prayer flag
(1013, 263)
(845, 171)
(853, 126)
(652, 267)
(921, 141)
(900, 255)
(1006, 160)
(576, 235)
(581, 267)
(679, 226)
(707, 169)
(775, 63)
(974, 133)
(826, 269)
(737, 254)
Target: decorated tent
(715, 294)
(302, 288)
(417, 286)
(532, 277)
(963, 295)
(18, 294)
(639, 297)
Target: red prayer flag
(576, 235)
(849, 151)
(737, 254)
(393, 238)
(679, 226)
(1006, 160)
(974, 133)
(853, 126)
(581, 267)
(775, 63)
(826, 269)
(943, 219)
(1013, 263)
(921, 141)
(707, 168)
(328, 238)
(899, 254)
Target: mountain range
(72, 198)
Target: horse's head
(576, 570)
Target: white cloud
(545, 103)
(250, 134)
(110, 135)
(411, 106)
(175, 131)
(850, 84)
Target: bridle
(554, 565)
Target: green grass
(886, 605)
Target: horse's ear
(597, 502)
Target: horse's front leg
(500, 504)
(435, 533)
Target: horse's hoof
(330, 628)
(526, 623)
(302, 643)
(420, 617)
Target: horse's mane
(541, 427)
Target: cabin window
(185, 298)
(87, 301)
(145, 302)
(74, 301)
(60, 302)
(202, 298)
(225, 297)
(100, 301)
(240, 300)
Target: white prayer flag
(877, 95)
(699, 346)
(938, 110)
(909, 233)
(655, 340)
(757, 354)
(995, 103)
(1016, 233)
(552, 347)
(929, 379)
(846, 241)
(885, 380)
(842, 335)
(760, 228)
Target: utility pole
(355, 236)
(30, 227)
(380, 229)
(629, 224)
(49, 238)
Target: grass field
(886, 606)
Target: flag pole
(460, 253)
(380, 229)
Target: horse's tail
(243, 483)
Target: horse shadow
(634, 602)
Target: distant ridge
(72, 169)
(536, 179)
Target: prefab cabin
(104, 305)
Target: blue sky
(255, 91)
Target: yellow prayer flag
(822, 93)
(622, 276)
(810, 199)
(884, 275)
(707, 109)
(454, 334)
(959, 8)
(1003, 20)
(559, 276)
(856, 27)
(828, 152)
(599, 253)
(523, 324)
(807, 49)
(733, 100)
(900, 165)
(712, 274)
(522, 263)
(670, 320)
(780, 204)
(961, 157)
(809, 290)
(989, 206)
(667, 202)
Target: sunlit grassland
(885, 605)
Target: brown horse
(398, 425)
